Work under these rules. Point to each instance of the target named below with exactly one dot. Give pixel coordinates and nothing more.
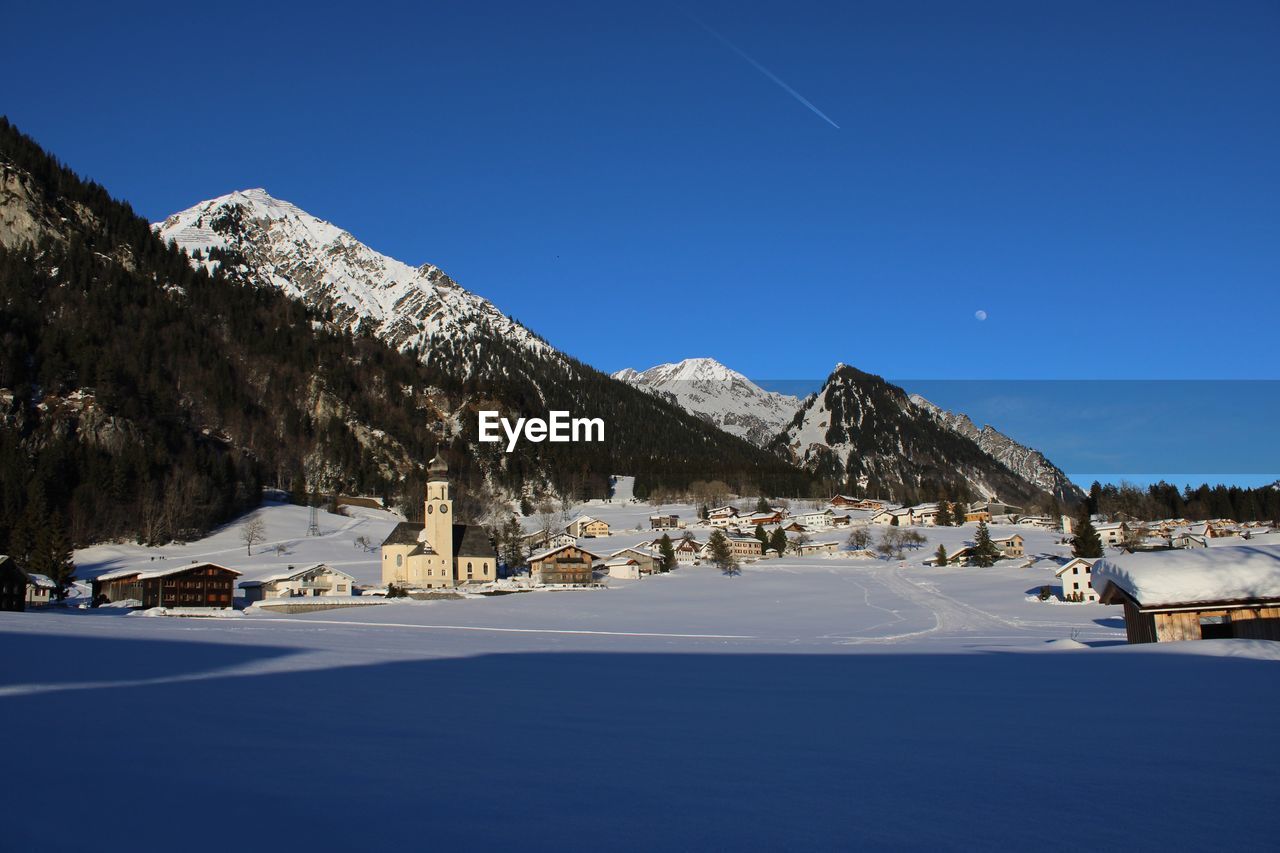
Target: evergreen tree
(944, 514)
(762, 504)
(985, 553)
(778, 541)
(940, 556)
(1087, 542)
(763, 536)
(511, 544)
(721, 554)
(58, 563)
(666, 554)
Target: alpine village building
(438, 554)
(190, 585)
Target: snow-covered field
(811, 703)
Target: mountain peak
(313, 260)
(719, 395)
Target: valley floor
(816, 703)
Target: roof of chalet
(41, 581)
(542, 555)
(1235, 573)
(175, 570)
(1070, 563)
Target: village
(617, 543)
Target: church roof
(404, 533)
(471, 540)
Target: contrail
(765, 71)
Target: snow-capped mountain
(328, 268)
(863, 434)
(719, 395)
(1029, 464)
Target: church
(438, 553)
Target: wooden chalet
(565, 565)
(188, 585)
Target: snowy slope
(1029, 464)
(719, 395)
(315, 261)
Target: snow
(1226, 573)
(809, 703)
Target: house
(40, 590)
(765, 518)
(888, 517)
(1010, 546)
(958, 557)
(687, 551)
(438, 553)
(565, 565)
(846, 502)
(796, 527)
(587, 526)
(976, 515)
(647, 562)
(1043, 522)
(623, 568)
(816, 520)
(182, 585)
(540, 540)
(1187, 540)
(1208, 593)
(841, 521)
(807, 549)
(315, 581)
(722, 516)
(993, 508)
(1077, 580)
(1113, 533)
(925, 514)
(743, 546)
(664, 522)
(13, 585)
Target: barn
(1203, 594)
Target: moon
(980, 315)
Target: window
(399, 560)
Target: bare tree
(859, 538)
(252, 532)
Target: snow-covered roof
(42, 581)
(1071, 564)
(293, 572)
(549, 551)
(1165, 578)
(173, 570)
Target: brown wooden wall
(205, 586)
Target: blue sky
(637, 187)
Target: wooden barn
(184, 585)
(1205, 594)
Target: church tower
(438, 520)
